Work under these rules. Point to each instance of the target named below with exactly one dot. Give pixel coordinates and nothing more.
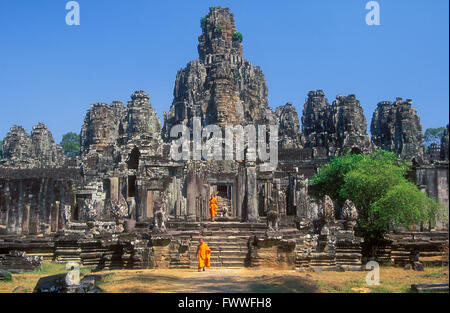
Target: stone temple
(126, 203)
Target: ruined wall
(118, 143)
(38, 150)
(36, 201)
(36, 183)
(290, 136)
(434, 180)
(338, 128)
(272, 253)
(396, 127)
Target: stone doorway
(223, 194)
(131, 186)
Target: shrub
(219, 30)
(203, 21)
(237, 36)
(71, 144)
(378, 186)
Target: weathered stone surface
(326, 211)
(434, 152)
(418, 266)
(17, 145)
(109, 126)
(349, 214)
(38, 150)
(101, 127)
(220, 87)
(444, 145)
(18, 262)
(339, 128)
(51, 284)
(115, 140)
(396, 127)
(290, 136)
(60, 283)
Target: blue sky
(52, 72)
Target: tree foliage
(71, 144)
(219, 30)
(433, 135)
(203, 21)
(377, 184)
(237, 36)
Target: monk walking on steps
(204, 256)
(213, 207)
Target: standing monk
(204, 255)
(213, 207)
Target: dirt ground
(392, 279)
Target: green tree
(71, 144)
(378, 186)
(219, 30)
(433, 135)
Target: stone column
(191, 195)
(114, 188)
(19, 220)
(26, 217)
(240, 192)
(252, 193)
(141, 201)
(149, 204)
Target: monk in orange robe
(204, 256)
(213, 207)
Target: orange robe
(213, 207)
(204, 256)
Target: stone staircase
(228, 242)
(227, 250)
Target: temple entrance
(222, 191)
(133, 159)
(224, 200)
(131, 186)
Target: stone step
(233, 252)
(225, 241)
(222, 248)
(237, 264)
(223, 252)
(228, 259)
(223, 238)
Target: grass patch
(25, 282)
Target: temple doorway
(224, 200)
(131, 186)
(133, 159)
